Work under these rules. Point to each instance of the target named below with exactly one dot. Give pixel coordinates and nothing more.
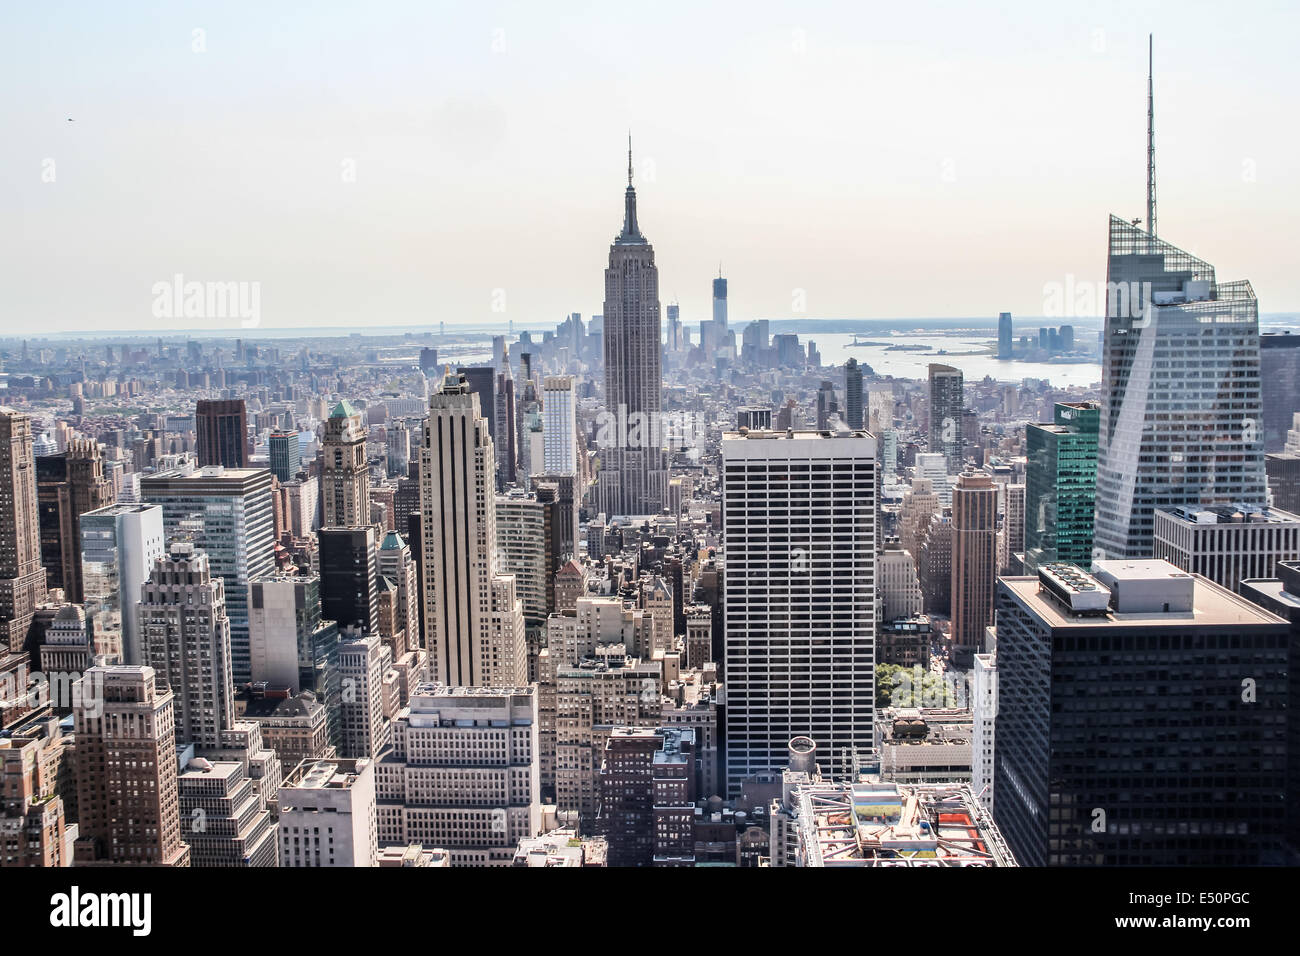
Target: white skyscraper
(119, 544)
(799, 533)
(467, 643)
(559, 426)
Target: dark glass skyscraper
(222, 428)
(853, 394)
(946, 404)
(1061, 487)
(285, 452)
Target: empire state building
(634, 467)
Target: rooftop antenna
(1151, 139)
(629, 157)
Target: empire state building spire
(630, 231)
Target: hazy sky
(386, 163)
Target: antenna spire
(1151, 138)
(629, 157)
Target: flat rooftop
(1211, 605)
(1220, 516)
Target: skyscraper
(799, 544)
(185, 638)
(67, 486)
(127, 795)
(634, 469)
(222, 427)
(458, 538)
(559, 426)
(508, 416)
(345, 472)
(119, 545)
(347, 578)
(1061, 487)
(946, 405)
(853, 394)
(974, 564)
(22, 576)
(1077, 704)
(285, 451)
(1004, 335)
(1279, 375)
(237, 533)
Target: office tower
(673, 313)
(222, 427)
(527, 548)
(67, 486)
(1004, 335)
(365, 730)
(1076, 703)
(482, 382)
(1061, 487)
(1011, 539)
(396, 563)
(984, 713)
(1283, 469)
(462, 773)
(185, 638)
(933, 465)
(68, 646)
(1279, 376)
(647, 796)
(567, 491)
(1180, 418)
(33, 819)
(345, 473)
(285, 451)
(428, 361)
(328, 814)
(799, 533)
(119, 545)
(720, 310)
(508, 417)
(853, 394)
(1226, 545)
(946, 405)
(347, 578)
(128, 809)
(236, 531)
(900, 589)
(398, 448)
(559, 426)
(1281, 596)
(291, 645)
(934, 564)
(756, 419)
(974, 564)
(634, 469)
(297, 728)
(919, 504)
(458, 536)
(22, 576)
(827, 407)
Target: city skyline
(353, 182)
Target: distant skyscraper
(974, 564)
(827, 406)
(1061, 487)
(345, 472)
(853, 394)
(285, 451)
(222, 427)
(1004, 335)
(634, 469)
(1181, 413)
(185, 638)
(800, 617)
(946, 406)
(1279, 360)
(559, 425)
(507, 414)
(22, 576)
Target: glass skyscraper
(1061, 487)
(1181, 415)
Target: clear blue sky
(927, 159)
